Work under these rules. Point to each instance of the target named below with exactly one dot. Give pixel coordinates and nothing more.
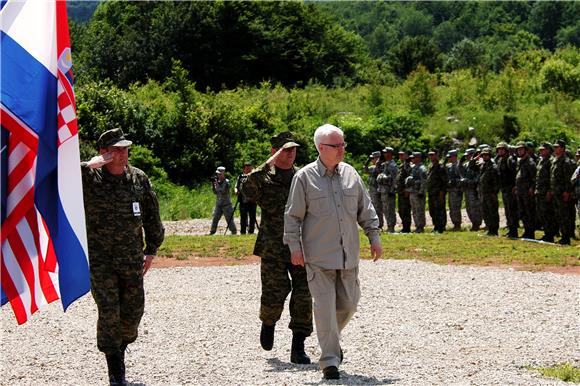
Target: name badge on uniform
(136, 209)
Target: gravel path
(417, 324)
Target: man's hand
(272, 160)
(376, 251)
(147, 263)
(566, 196)
(297, 258)
(100, 160)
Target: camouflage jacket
(489, 178)
(543, 176)
(525, 175)
(416, 182)
(436, 179)
(404, 172)
(222, 191)
(470, 178)
(269, 188)
(119, 209)
(387, 179)
(372, 172)
(506, 167)
(575, 181)
(560, 175)
(453, 176)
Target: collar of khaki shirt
(323, 170)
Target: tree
(464, 54)
(414, 51)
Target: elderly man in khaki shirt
(327, 200)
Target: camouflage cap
(388, 149)
(470, 151)
(560, 143)
(486, 150)
(375, 154)
(452, 153)
(417, 154)
(283, 140)
(113, 137)
(501, 145)
(521, 144)
(546, 145)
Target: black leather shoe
(267, 336)
(331, 372)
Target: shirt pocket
(318, 203)
(351, 199)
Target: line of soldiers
(540, 190)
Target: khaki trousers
(336, 293)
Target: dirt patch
(196, 261)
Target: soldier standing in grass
(223, 203)
(561, 173)
(387, 183)
(469, 182)
(416, 183)
(403, 198)
(544, 207)
(506, 167)
(488, 189)
(436, 188)
(120, 207)
(455, 194)
(268, 185)
(524, 190)
(373, 171)
(247, 206)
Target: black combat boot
(297, 354)
(267, 336)
(116, 367)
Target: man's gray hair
(324, 131)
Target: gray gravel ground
(417, 324)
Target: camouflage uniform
(269, 188)
(575, 180)
(373, 171)
(387, 186)
(436, 188)
(416, 184)
(472, 202)
(506, 167)
(247, 208)
(488, 189)
(119, 209)
(403, 200)
(525, 184)
(455, 196)
(544, 207)
(223, 205)
(561, 173)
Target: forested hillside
(199, 84)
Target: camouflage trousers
(473, 207)
(564, 214)
(404, 206)
(437, 212)
(378, 205)
(390, 209)
(418, 211)
(279, 278)
(489, 206)
(225, 208)
(527, 211)
(454, 198)
(545, 212)
(510, 207)
(118, 292)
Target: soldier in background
(247, 206)
(455, 194)
(469, 182)
(268, 185)
(561, 173)
(373, 171)
(403, 199)
(488, 189)
(387, 186)
(544, 208)
(223, 204)
(524, 190)
(506, 167)
(120, 207)
(416, 183)
(575, 180)
(436, 188)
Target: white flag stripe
(43, 238)
(68, 114)
(64, 133)
(27, 238)
(20, 190)
(15, 274)
(59, 89)
(17, 155)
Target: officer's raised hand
(100, 160)
(272, 160)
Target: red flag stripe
(46, 284)
(19, 129)
(24, 263)
(12, 293)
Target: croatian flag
(43, 241)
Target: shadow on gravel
(345, 377)
(135, 384)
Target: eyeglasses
(336, 146)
